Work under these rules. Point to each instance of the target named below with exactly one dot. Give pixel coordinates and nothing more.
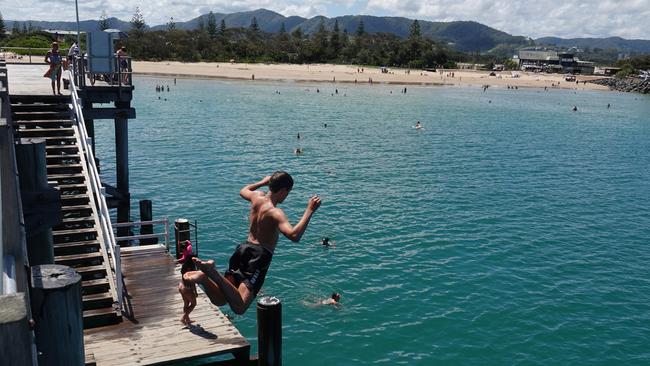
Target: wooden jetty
(143, 290)
(152, 332)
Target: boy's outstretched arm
(294, 233)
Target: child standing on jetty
(186, 288)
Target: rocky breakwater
(627, 85)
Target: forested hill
(620, 44)
(464, 36)
(461, 35)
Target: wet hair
(280, 180)
(188, 265)
(336, 296)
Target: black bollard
(181, 233)
(269, 331)
(57, 310)
(146, 214)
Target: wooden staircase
(77, 242)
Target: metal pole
(76, 7)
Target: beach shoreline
(323, 73)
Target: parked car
(570, 77)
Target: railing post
(118, 275)
(167, 233)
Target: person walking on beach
(53, 58)
(239, 285)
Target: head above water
(280, 180)
(336, 296)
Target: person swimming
(326, 242)
(297, 151)
(333, 300)
(418, 125)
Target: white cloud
(564, 18)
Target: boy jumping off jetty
(248, 265)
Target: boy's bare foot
(203, 265)
(195, 276)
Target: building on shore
(552, 61)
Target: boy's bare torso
(263, 228)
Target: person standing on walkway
(53, 58)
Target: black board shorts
(249, 265)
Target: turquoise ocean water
(509, 231)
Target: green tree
(254, 26)
(171, 25)
(222, 28)
(414, 30)
(212, 25)
(361, 30)
(297, 33)
(137, 21)
(335, 39)
(103, 21)
(3, 29)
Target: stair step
(68, 130)
(56, 140)
(56, 233)
(87, 272)
(74, 196)
(61, 148)
(75, 157)
(72, 259)
(100, 317)
(39, 107)
(65, 176)
(46, 123)
(32, 98)
(63, 166)
(94, 286)
(76, 220)
(77, 245)
(30, 116)
(96, 301)
(76, 208)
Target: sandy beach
(350, 74)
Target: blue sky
(562, 18)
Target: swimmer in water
(418, 125)
(333, 300)
(297, 151)
(575, 108)
(326, 242)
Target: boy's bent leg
(211, 289)
(239, 298)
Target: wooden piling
(32, 167)
(57, 311)
(15, 335)
(146, 214)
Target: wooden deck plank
(156, 334)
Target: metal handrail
(97, 191)
(164, 234)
